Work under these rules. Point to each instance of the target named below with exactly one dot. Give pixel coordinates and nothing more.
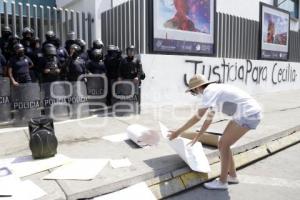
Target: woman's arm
(204, 127)
(196, 118)
(14, 82)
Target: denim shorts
(250, 122)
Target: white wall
(164, 83)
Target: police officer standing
(131, 67)
(83, 54)
(97, 44)
(27, 40)
(96, 64)
(6, 33)
(18, 66)
(62, 54)
(50, 65)
(112, 61)
(76, 65)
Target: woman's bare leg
(233, 132)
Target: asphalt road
(276, 177)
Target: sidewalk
(83, 139)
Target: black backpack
(43, 142)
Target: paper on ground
(142, 135)
(194, 156)
(78, 169)
(27, 190)
(25, 166)
(136, 192)
(19, 190)
(120, 163)
(116, 138)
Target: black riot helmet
(130, 51)
(81, 43)
(71, 35)
(6, 32)
(19, 49)
(36, 43)
(97, 55)
(50, 50)
(27, 33)
(14, 39)
(97, 44)
(76, 48)
(50, 36)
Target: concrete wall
(165, 76)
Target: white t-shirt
(229, 100)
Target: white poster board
(194, 156)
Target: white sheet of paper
(20, 190)
(116, 138)
(135, 192)
(120, 163)
(7, 185)
(25, 166)
(194, 156)
(78, 169)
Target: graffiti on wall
(246, 72)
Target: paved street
(276, 177)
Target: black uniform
(2, 66)
(20, 68)
(51, 63)
(130, 68)
(112, 61)
(70, 41)
(4, 43)
(97, 44)
(76, 68)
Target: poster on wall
(274, 34)
(183, 26)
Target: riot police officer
(83, 54)
(51, 68)
(27, 35)
(62, 54)
(96, 64)
(12, 41)
(18, 66)
(131, 67)
(71, 37)
(6, 33)
(50, 38)
(97, 44)
(3, 67)
(76, 65)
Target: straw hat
(198, 80)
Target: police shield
(54, 99)
(96, 91)
(25, 102)
(78, 100)
(125, 97)
(5, 106)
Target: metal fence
(236, 37)
(42, 19)
(125, 25)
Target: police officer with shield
(76, 66)
(96, 64)
(19, 65)
(50, 38)
(50, 65)
(83, 54)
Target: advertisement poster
(183, 26)
(275, 26)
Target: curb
(184, 178)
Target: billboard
(183, 26)
(274, 33)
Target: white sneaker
(232, 180)
(216, 185)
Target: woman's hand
(194, 141)
(173, 135)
